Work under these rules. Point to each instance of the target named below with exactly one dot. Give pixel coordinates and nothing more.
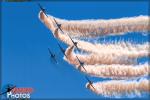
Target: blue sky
(25, 58)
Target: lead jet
(53, 56)
(62, 50)
(8, 89)
(43, 9)
(59, 26)
(81, 64)
(90, 83)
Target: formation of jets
(8, 89)
(81, 64)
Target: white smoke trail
(94, 28)
(121, 88)
(116, 71)
(92, 59)
(106, 57)
(124, 46)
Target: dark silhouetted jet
(90, 83)
(62, 50)
(59, 26)
(74, 43)
(8, 89)
(81, 64)
(53, 56)
(43, 9)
